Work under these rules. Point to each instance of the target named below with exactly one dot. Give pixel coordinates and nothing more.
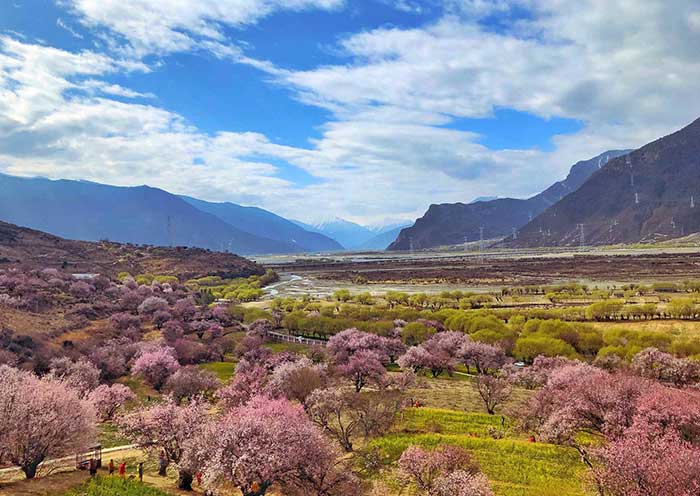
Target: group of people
(111, 467)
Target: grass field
(687, 328)
(114, 486)
(223, 370)
(515, 466)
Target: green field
(114, 486)
(515, 466)
(223, 370)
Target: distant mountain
(484, 198)
(262, 223)
(455, 223)
(648, 195)
(383, 239)
(23, 247)
(349, 234)
(89, 211)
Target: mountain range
(353, 236)
(650, 194)
(455, 223)
(83, 210)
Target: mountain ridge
(85, 210)
(455, 223)
(648, 195)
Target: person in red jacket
(122, 469)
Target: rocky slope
(24, 247)
(649, 195)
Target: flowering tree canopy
(445, 471)
(156, 365)
(171, 429)
(82, 375)
(108, 399)
(189, 382)
(266, 443)
(40, 418)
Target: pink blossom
(40, 418)
(156, 365)
(170, 429)
(108, 399)
(270, 443)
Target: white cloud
(167, 26)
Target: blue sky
(368, 110)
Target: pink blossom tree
(363, 367)
(108, 399)
(442, 471)
(482, 356)
(40, 418)
(184, 309)
(171, 429)
(346, 343)
(249, 381)
(123, 320)
(189, 382)
(151, 305)
(295, 455)
(296, 380)
(112, 357)
(654, 364)
(156, 365)
(438, 354)
(82, 375)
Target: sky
(368, 110)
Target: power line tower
(481, 243)
(636, 198)
(582, 238)
(692, 201)
(515, 233)
(169, 230)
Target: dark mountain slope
(266, 224)
(454, 223)
(648, 195)
(142, 215)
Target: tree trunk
(30, 469)
(184, 481)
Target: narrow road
(12, 473)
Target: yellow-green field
(515, 466)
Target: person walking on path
(122, 469)
(93, 467)
(162, 464)
(141, 471)
(111, 467)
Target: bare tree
(493, 391)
